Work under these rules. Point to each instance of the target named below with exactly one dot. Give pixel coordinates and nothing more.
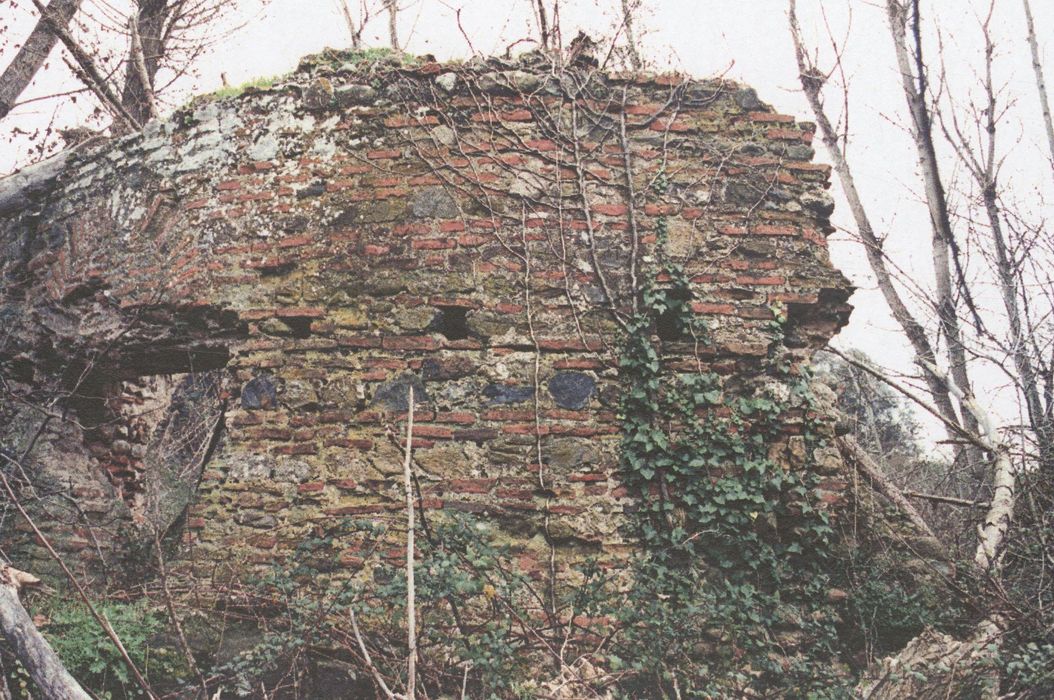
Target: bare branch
(948, 500)
(812, 83)
(354, 31)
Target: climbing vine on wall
(732, 575)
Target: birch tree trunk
(913, 330)
(913, 81)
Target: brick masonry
(353, 231)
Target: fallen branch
(32, 650)
(863, 462)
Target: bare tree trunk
(1041, 86)
(30, 647)
(19, 73)
(393, 25)
(991, 536)
(150, 18)
(1028, 379)
(812, 83)
(945, 253)
(137, 65)
(628, 7)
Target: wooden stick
(377, 677)
(411, 614)
(937, 498)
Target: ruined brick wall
(475, 232)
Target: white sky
(746, 40)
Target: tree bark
(30, 647)
(29, 59)
(542, 18)
(137, 64)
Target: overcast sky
(746, 40)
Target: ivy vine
(730, 591)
